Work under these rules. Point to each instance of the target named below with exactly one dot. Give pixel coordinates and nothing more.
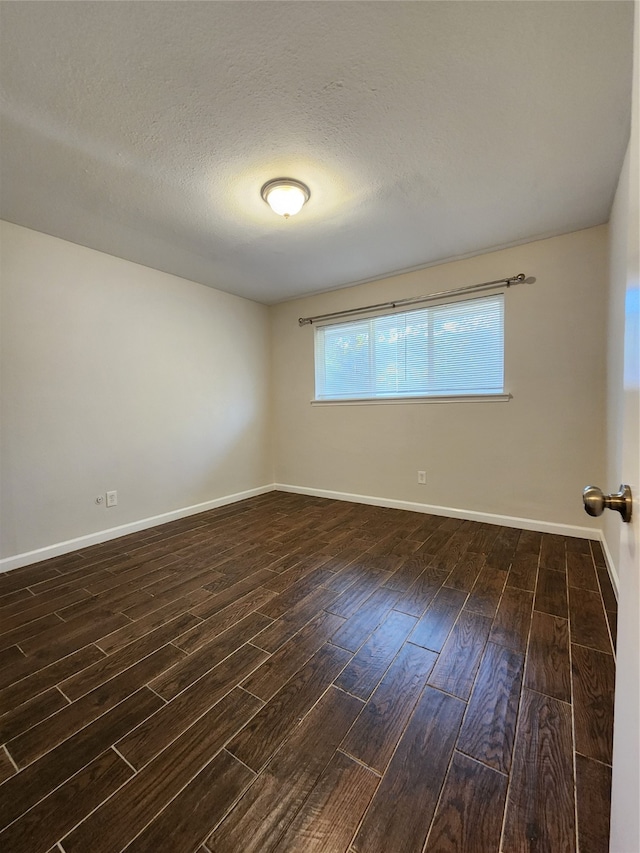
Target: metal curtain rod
(413, 300)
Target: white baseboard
(450, 512)
(29, 557)
(611, 566)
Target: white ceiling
(425, 131)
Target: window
(455, 349)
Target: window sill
(452, 398)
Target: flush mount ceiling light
(285, 196)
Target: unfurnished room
(320, 417)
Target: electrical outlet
(100, 499)
(112, 498)
(422, 478)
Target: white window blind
(452, 349)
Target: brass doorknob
(595, 501)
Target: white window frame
(448, 396)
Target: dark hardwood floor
(297, 674)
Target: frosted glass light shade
(285, 196)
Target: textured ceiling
(425, 131)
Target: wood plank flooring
(296, 675)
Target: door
(625, 795)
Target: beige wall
(528, 458)
(116, 376)
(623, 540)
